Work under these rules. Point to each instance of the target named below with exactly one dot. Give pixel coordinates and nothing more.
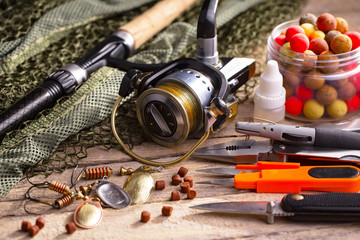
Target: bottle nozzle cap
(271, 80)
(270, 93)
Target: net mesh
(60, 137)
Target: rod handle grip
(155, 19)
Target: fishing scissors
(270, 177)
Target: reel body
(187, 97)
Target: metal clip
(251, 151)
(238, 151)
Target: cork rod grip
(155, 19)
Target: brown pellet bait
(341, 44)
(309, 61)
(175, 196)
(183, 171)
(145, 216)
(167, 210)
(293, 79)
(326, 22)
(185, 187)
(176, 180)
(330, 36)
(347, 91)
(70, 227)
(40, 222)
(160, 185)
(191, 194)
(189, 180)
(318, 45)
(25, 226)
(314, 80)
(326, 95)
(34, 230)
(327, 62)
(341, 25)
(308, 18)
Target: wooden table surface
(185, 223)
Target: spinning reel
(187, 97)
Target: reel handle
(155, 19)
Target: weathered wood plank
(185, 223)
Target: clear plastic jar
(320, 88)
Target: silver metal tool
(251, 151)
(318, 137)
(237, 151)
(229, 173)
(328, 207)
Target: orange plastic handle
(269, 165)
(297, 180)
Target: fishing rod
(111, 52)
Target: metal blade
(316, 153)
(270, 209)
(226, 181)
(258, 208)
(225, 171)
(238, 151)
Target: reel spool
(187, 97)
(173, 109)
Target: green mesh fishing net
(38, 37)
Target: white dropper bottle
(269, 98)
